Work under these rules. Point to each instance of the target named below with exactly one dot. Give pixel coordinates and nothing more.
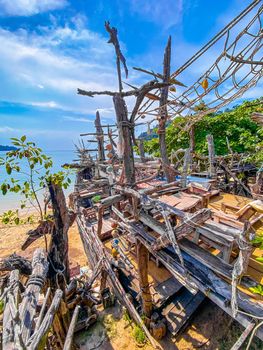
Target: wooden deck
(255, 269)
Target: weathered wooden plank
(166, 289)
(28, 306)
(70, 334)
(181, 309)
(206, 258)
(186, 228)
(40, 335)
(243, 337)
(11, 299)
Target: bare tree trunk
(100, 137)
(125, 139)
(58, 250)
(163, 114)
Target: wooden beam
(143, 259)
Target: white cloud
(168, 12)
(78, 119)
(35, 66)
(7, 129)
(29, 7)
(48, 104)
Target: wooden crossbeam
(186, 228)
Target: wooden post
(8, 336)
(28, 306)
(141, 150)
(70, 334)
(163, 114)
(211, 154)
(191, 144)
(185, 167)
(143, 259)
(58, 250)
(100, 137)
(125, 139)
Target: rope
(218, 75)
(36, 280)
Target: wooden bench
(218, 236)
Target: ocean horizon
(59, 157)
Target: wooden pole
(141, 150)
(8, 336)
(28, 306)
(125, 139)
(211, 154)
(100, 137)
(143, 259)
(70, 334)
(191, 144)
(164, 115)
(185, 167)
(58, 250)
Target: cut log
(28, 306)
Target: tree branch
(141, 92)
(92, 93)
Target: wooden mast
(100, 137)
(163, 114)
(125, 124)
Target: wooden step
(181, 309)
(167, 289)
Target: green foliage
(96, 199)
(12, 217)
(30, 161)
(139, 335)
(2, 306)
(244, 135)
(126, 316)
(257, 290)
(258, 242)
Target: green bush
(244, 135)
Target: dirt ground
(209, 329)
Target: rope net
(235, 70)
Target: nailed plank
(206, 258)
(166, 289)
(181, 309)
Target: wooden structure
(203, 250)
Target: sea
(13, 200)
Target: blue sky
(49, 48)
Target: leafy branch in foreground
(28, 172)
